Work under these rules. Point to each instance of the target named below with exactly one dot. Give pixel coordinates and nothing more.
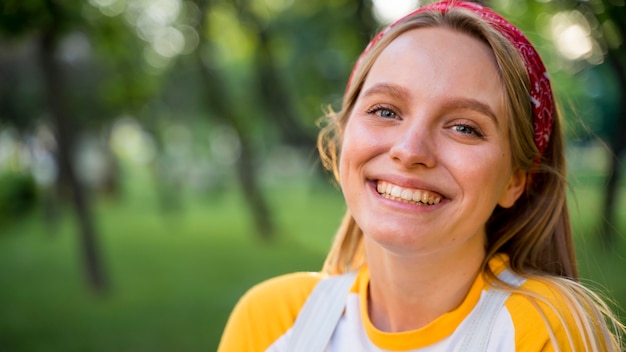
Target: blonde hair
(535, 233)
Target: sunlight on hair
(387, 11)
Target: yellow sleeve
(535, 320)
(266, 312)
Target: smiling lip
(407, 195)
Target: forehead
(439, 62)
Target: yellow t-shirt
(262, 320)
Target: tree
(612, 20)
(48, 20)
(608, 22)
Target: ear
(514, 188)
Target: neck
(408, 292)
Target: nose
(414, 146)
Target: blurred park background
(157, 156)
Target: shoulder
(541, 308)
(267, 311)
(287, 292)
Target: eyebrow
(473, 104)
(386, 88)
(453, 103)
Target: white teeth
(396, 191)
(408, 195)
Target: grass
(175, 275)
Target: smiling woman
(414, 130)
(457, 233)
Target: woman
(449, 153)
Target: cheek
(348, 157)
(486, 165)
(492, 171)
(356, 148)
(347, 149)
(343, 155)
(361, 138)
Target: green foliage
(124, 83)
(20, 16)
(18, 196)
(176, 276)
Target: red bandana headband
(540, 90)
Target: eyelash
(377, 109)
(471, 130)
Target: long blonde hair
(535, 233)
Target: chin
(397, 240)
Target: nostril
(412, 152)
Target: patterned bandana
(540, 90)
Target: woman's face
(425, 157)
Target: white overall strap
(484, 318)
(320, 314)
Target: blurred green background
(157, 156)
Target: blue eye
(382, 112)
(468, 130)
(388, 114)
(464, 129)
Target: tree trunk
(617, 144)
(54, 90)
(246, 168)
(275, 95)
(249, 182)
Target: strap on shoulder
(484, 318)
(320, 314)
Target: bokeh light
(572, 35)
(387, 11)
